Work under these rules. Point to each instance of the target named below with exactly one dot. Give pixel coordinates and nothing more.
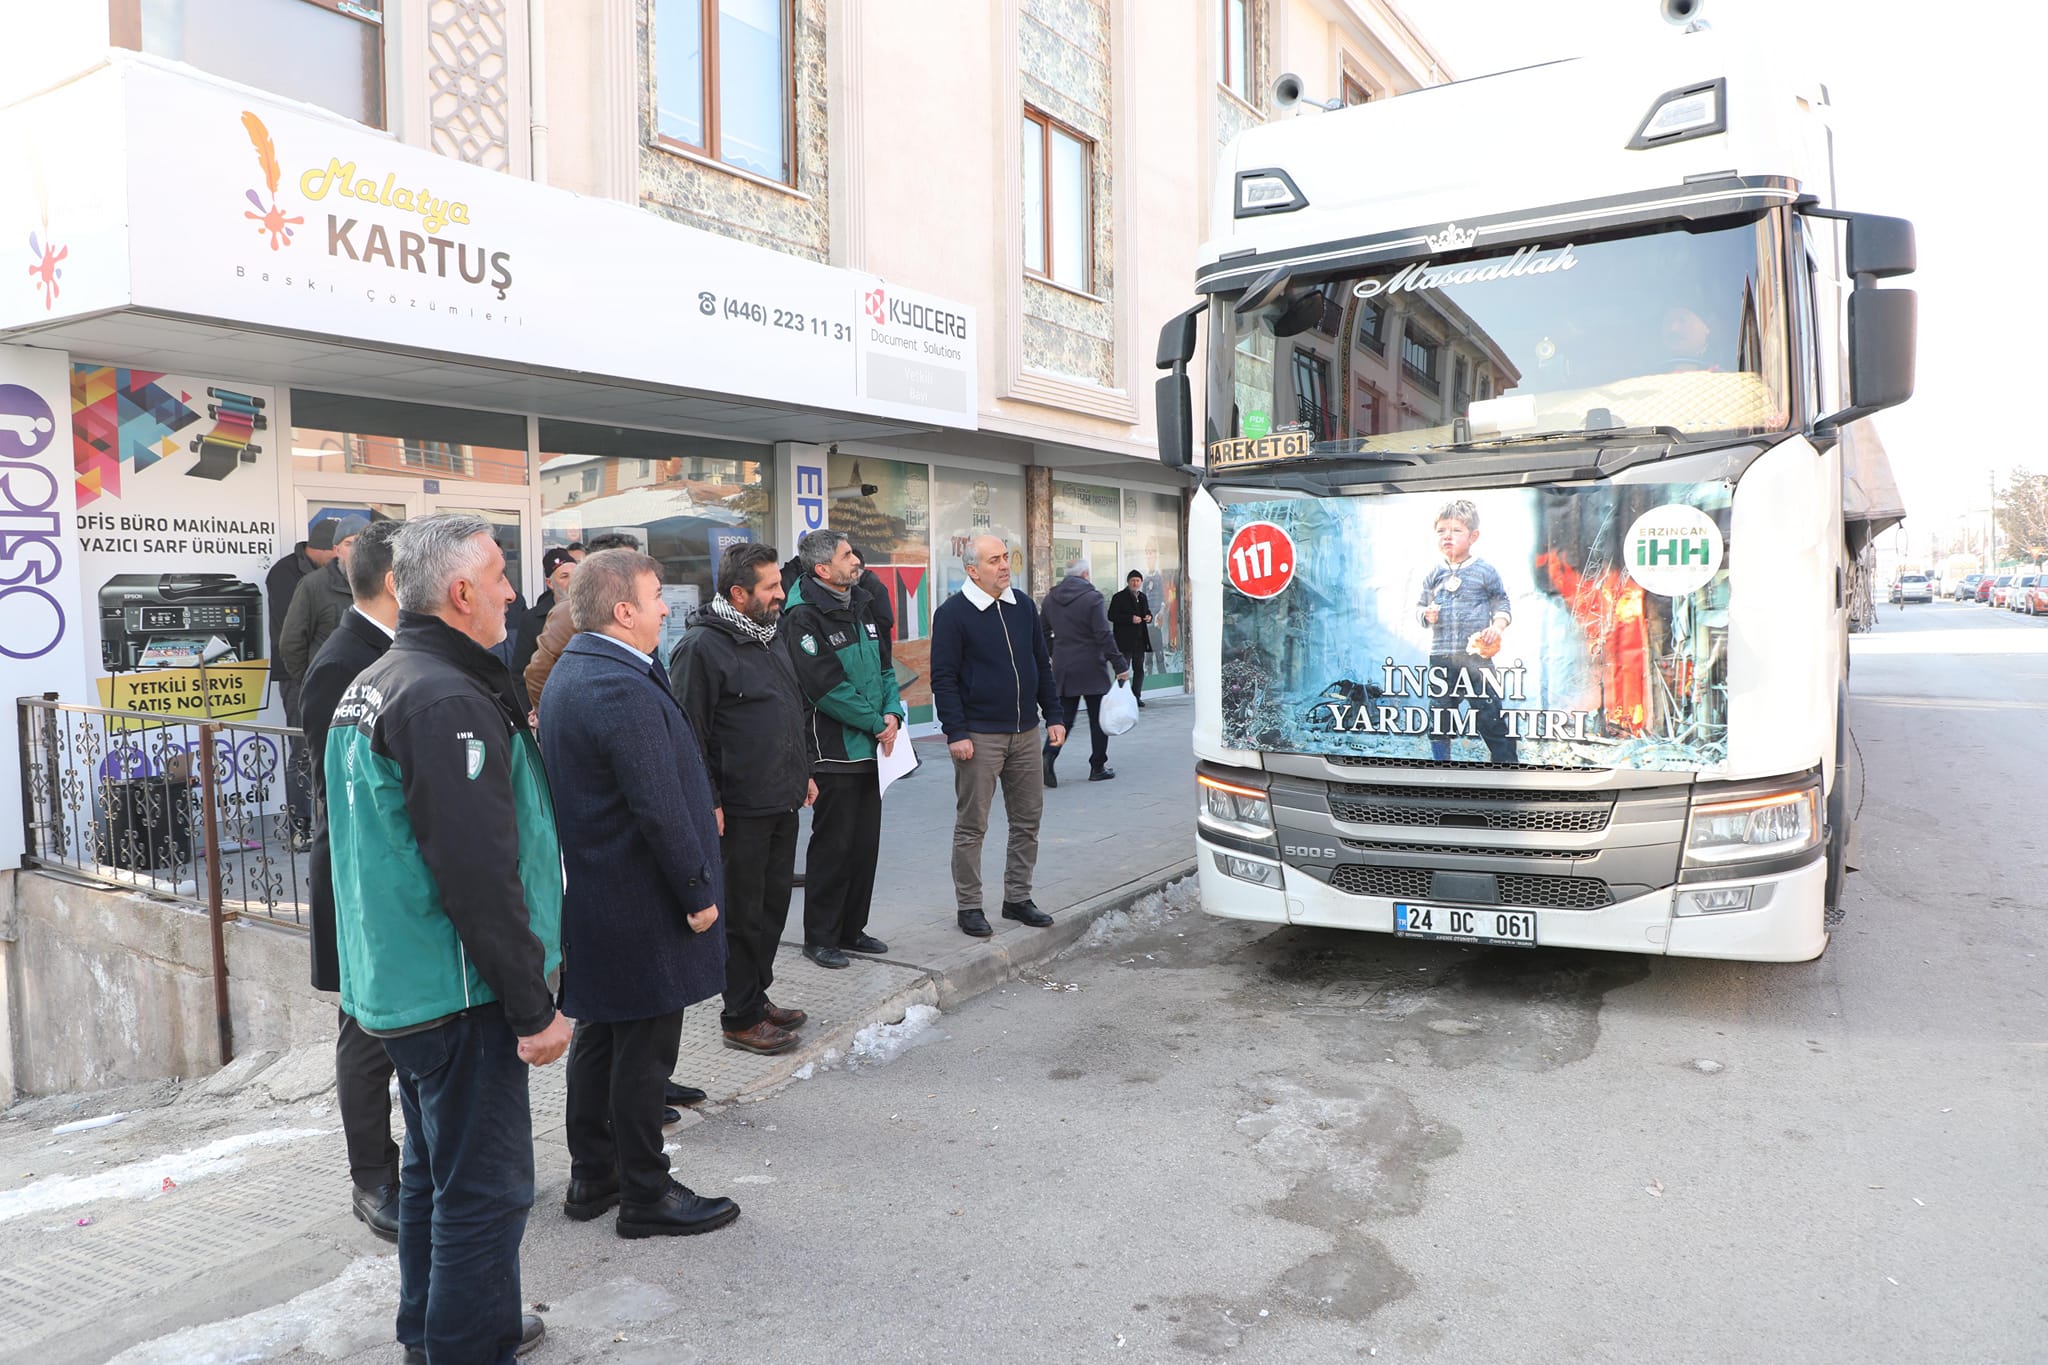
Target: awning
(1871, 501)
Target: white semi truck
(1536, 481)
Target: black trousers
(759, 852)
(613, 1115)
(1098, 738)
(839, 865)
(362, 1091)
(1137, 659)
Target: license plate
(1509, 928)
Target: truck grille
(1368, 761)
(1516, 889)
(1455, 808)
(1458, 850)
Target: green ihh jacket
(447, 867)
(838, 655)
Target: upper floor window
(723, 84)
(1421, 358)
(1058, 223)
(325, 52)
(1235, 52)
(1372, 327)
(1355, 91)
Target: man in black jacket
(1130, 620)
(991, 681)
(1084, 655)
(739, 690)
(362, 1070)
(319, 602)
(308, 557)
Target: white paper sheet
(901, 760)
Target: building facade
(693, 269)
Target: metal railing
(210, 812)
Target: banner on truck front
(1582, 627)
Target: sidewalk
(97, 1253)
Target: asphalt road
(1199, 1139)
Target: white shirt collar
(616, 643)
(389, 633)
(981, 600)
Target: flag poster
(1546, 627)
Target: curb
(959, 976)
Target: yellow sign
(1287, 445)
(234, 690)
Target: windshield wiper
(1569, 434)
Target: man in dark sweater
(991, 681)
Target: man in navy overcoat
(641, 937)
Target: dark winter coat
(639, 838)
(356, 643)
(1131, 637)
(991, 671)
(320, 601)
(838, 657)
(744, 702)
(278, 587)
(1084, 653)
(528, 639)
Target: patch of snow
(350, 1314)
(140, 1179)
(80, 1125)
(880, 1044)
(1154, 911)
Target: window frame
(1349, 85)
(707, 18)
(1242, 86)
(1047, 125)
(124, 29)
(1312, 374)
(1432, 349)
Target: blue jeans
(464, 1187)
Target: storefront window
(681, 498)
(1084, 506)
(892, 528)
(966, 504)
(1152, 547)
(340, 434)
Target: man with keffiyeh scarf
(738, 687)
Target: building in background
(700, 270)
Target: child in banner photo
(1465, 606)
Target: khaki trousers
(1013, 760)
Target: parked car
(1966, 591)
(2000, 586)
(2037, 597)
(1913, 587)
(1984, 588)
(2019, 597)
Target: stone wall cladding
(1063, 57)
(690, 192)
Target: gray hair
(971, 556)
(429, 555)
(818, 547)
(1080, 566)
(602, 581)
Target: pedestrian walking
(1130, 620)
(854, 712)
(641, 936)
(991, 681)
(448, 902)
(1084, 656)
(739, 689)
(362, 1070)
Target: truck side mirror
(1882, 327)
(1880, 247)
(1172, 400)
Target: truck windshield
(1683, 331)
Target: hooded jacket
(837, 653)
(1084, 652)
(744, 702)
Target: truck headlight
(1231, 809)
(1754, 827)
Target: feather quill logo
(270, 219)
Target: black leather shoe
(1026, 912)
(669, 1116)
(1103, 774)
(685, 1095)
(866, 943)
(1141, 703)
(682, 1212)
(531, 1330)
(825, 956)
(378, 1209)
(975, 923)
(1051, 778)
(588, 1199)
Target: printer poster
(177, 526)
